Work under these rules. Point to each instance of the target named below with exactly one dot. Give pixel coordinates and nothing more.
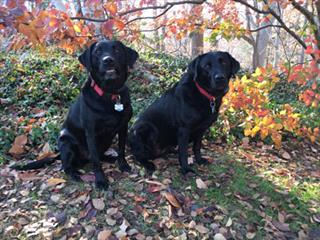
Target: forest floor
(248, 191)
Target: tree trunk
(196, 44)
(156, 32)
(262, 39)
(276, 50)
(196, 41)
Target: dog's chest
(108, 126)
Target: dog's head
(108, 62)
(213, 70)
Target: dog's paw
(75, 175)
(188, 171)
(124, 167)
(102, 184)
(202, 161)
(150, 168)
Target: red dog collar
(100, 92)
(204, 92)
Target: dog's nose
(220, 77)
(108, 60)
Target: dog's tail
(35, 164)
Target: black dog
(184, 112)
(102, 110)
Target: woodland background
(264, 149)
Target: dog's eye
(115, 49)
(208, 65)
(222, 61)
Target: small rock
(55, 198)
(110, 221)
(98, 203)
(219, 236)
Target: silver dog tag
(212, 106)
(118, 107)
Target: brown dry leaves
(18, 146)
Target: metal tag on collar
(118, 106)
(212, 106)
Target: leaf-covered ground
(245, 193)
(248, 191)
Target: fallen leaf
(281, 217)
(201, 229)
(201, 184)
(132, 231)
(112, 211)
(229, 222)
(29, 176)
(316, 218)
(219, 236)
(88, 177)
(98, 203)
(284, 227)
(123, 227)
(250, 235)
(18, 145)
(302, 235)
(192, 224)
(55, 198)
(245, 141)
(154, 183)
(104, 234)
(153, 189)
(315, 174)
(46, 152)
(172, 199)
(286, 155)
(110, 221)
(139, 199)
(145, 214)
(55, 181)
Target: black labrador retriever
(102, 111)
(184, 112)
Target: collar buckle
(207, 95)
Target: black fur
(183, 114)
(92, 122)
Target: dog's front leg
(122, 135)
(183, 140)
(101, 181)
(197, 149)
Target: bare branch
(276, 16)
(168, 4)
(286, 28)
(249, 40)
(165, 6)
(152, 17)
(304, 11)
(245, 3)
(263, 27)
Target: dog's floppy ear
(132, 56)
(85, 57)
(235, 65)
(192, 67)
